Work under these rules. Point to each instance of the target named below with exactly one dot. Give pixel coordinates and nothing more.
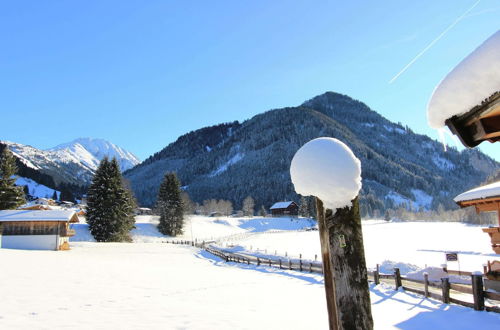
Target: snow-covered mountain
(90, 151)
(70, 164)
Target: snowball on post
(327, 168)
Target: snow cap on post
(474, 79)
(328, 169)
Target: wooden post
(426, 284)
(269, 262)
(310, 267)
(289, 264)
(397, 278)
(478, 292)
(445, 286)
(345, 259)
(331, 303)
(376, 276)
(258, 261)
(300, 264)
(280, 263)
(315, 257)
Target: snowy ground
(419, 243)
(156, 285)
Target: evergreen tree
(169, 206)
(54, 195)
(66, 195)
(110, 206)
(262, 211)
(248, 207)
(11, 196)
(387, 216)
(304, 207)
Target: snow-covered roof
(483, 192)
(474, 79)
(281, 205)
(29, 215)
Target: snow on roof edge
(482, 192)
(36, 215)
(281, 205)
(474, 79)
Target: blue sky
(142, 73)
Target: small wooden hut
(282, 209)
(36, 230)
(484, 199)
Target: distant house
(36, 230)
(484, 199)
(33, 207)
(143, 211)
(285, 209)
(45, 201)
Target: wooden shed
(282, 209)
(36, 230)
(484, 199)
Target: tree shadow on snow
(216, 261)
(455, 317)
(384, 296)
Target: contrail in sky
(434, 41)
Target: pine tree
(66, 195)
(110, 206)
(11, 196)
(169, 206)
(262, 211)
(304, 207)
(248, 207)
(54, 195)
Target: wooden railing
(442, 290)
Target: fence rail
(444, 290)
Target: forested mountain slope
(232, 161)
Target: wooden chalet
(36, 230)
(481, 123)
(484, 199)
(282, 209)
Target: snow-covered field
(150, 285)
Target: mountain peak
(90, 151)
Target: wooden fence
(444, 290)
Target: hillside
(235, 160)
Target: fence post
(426, 284)
(315, 257)
(258, 261)
(445, 286)
(478, 292)
(397, 278)
(310, 267)
(376, 277)
(280, 263)
(300, 264)
(227, 258)
(269, 262)
(289, 264)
